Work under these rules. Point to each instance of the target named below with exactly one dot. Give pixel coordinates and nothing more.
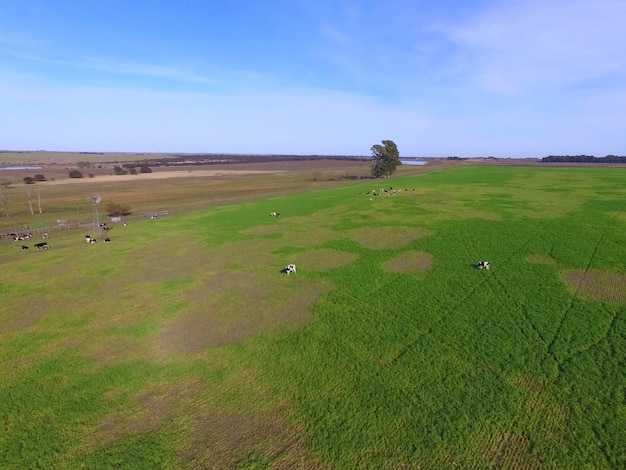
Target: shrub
(75, 174)
(117, 209)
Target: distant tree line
(131, 168)
(583, 159)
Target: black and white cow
(290, 268)
(24, 247)
(107, 240)
(275, 214)
(483, 264)
(88, 239)
(42, 246)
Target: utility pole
(30, 203)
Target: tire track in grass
(414, 342)
(463, 300)
(541, 228)
(577, 290)
(471, 249)
(411, 344)
(595, 343)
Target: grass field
(181, 345)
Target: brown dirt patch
(324, 259)
(598, 285)
(160, 175)
(410, 262)
(382, 238)
(541, 259)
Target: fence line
(63, 225)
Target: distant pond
(20, 167)
(413, 162)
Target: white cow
(290, 268)
(483, 264)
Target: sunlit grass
(181, 345)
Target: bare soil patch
(158, 175)
(598, 285)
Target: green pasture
(180, 344)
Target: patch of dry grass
(541, 259)
(510, 451)
(598, 285)
(230, 307)
(410, 262)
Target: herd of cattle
(289, 269)
(44, 245)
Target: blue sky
(504, 78)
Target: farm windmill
(95, 199)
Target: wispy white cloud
(514, 46)
(523, 78)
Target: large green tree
(385, 159)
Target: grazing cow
(290, 268)
(45, 235)
(24, 247)
(275, 214)
(106, 240)
(88, 239)
(42, 246)
(483, 264)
